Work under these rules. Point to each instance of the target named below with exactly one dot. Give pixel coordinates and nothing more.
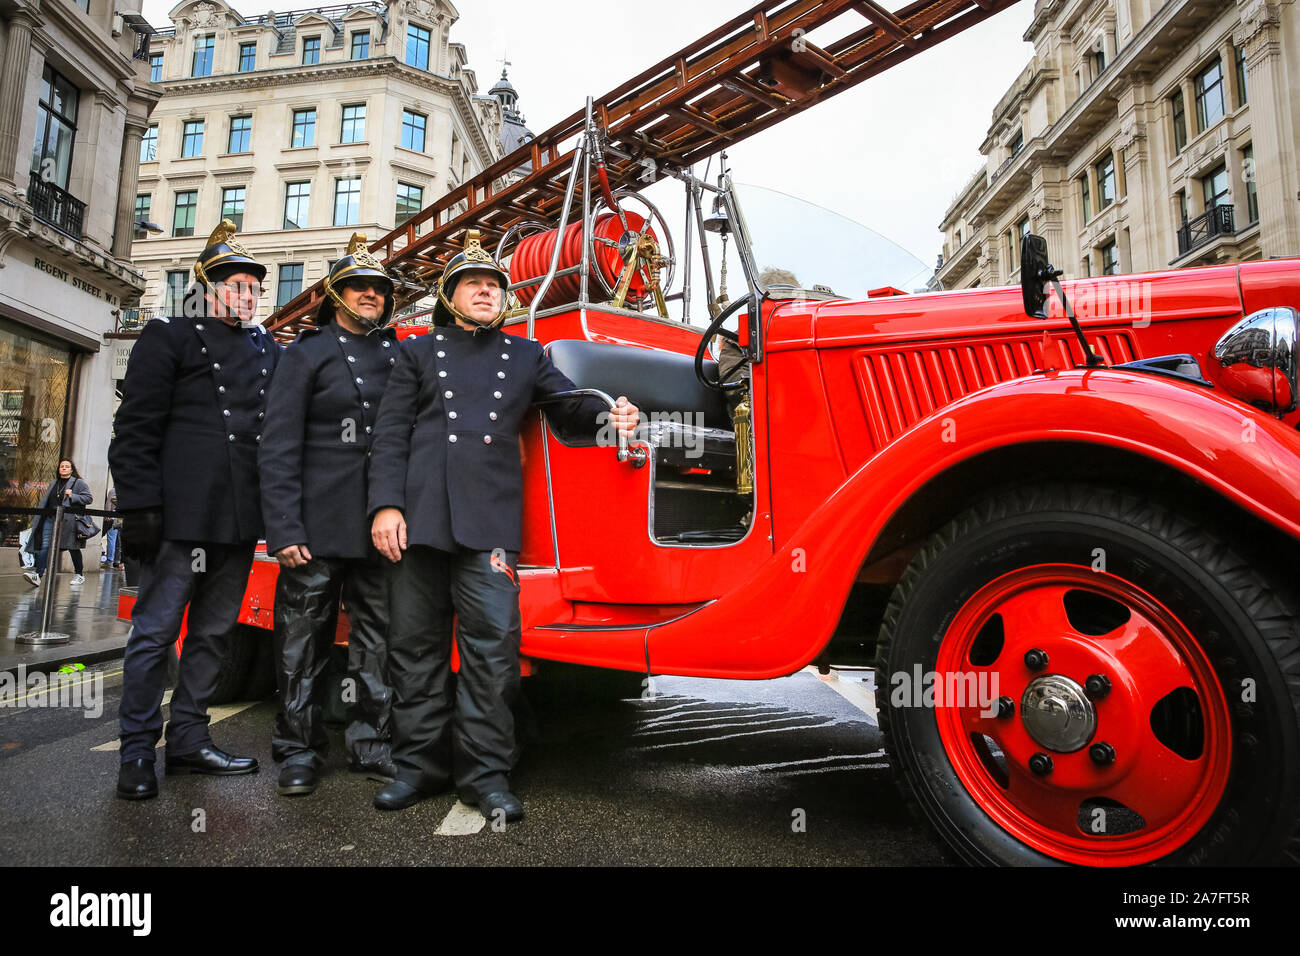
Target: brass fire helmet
(473, 256)
(357, 263)
(224, 256)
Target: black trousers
(306, 615)
(210, 579)
(465, 737)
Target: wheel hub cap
(1057, 713)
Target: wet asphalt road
(774, 773)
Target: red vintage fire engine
(1064, 535)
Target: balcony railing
(335, 13)
(57, 207)
(1215, 221)
(133, 320)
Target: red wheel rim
(1148, 658)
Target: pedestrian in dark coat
(446, 493)
(315, 450)
(184, 450)
(70, 488)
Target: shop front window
(35, 373)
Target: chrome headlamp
(1260, 361)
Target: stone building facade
(75, 101)
(302, 127)
(1142, 135)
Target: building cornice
(413, 169)
(17, 222)
(1257, 15)
(298, 166)
(248, 29)
(1042, 16)
(86, 41)
(299, 75)
(233, 172)
(979, 180)
(26, 11)
(465, 104)
(347, 162)
(186, 180)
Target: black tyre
(1110, 684)
(259, 678)
(579, 682)
(240, 651)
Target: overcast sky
(891, 153)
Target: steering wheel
(715, 328)
(630, 237)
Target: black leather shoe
(384, 772)
(297, 779)
(398, 795)
(501, 801)
(212, 761)
(136, 780)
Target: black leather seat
(661, 384)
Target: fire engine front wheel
(247, 668)
(1074, 674)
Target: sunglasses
(377, 286)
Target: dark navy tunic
(446, 449)
(316, 443)
(186, 434)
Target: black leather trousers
(460, 732)
(306, 615)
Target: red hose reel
(532, 258)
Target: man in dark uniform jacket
(315, 449)
(447, 499)
(184, 451)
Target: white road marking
(852, 766)
(59, 680)
(461, 820)
(740, 710)
(855, 692)
(831, 722)
(798, 763)
(652, 703)
(216, 714)
(784, 718)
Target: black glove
(142, 534)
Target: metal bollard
(49, 582)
